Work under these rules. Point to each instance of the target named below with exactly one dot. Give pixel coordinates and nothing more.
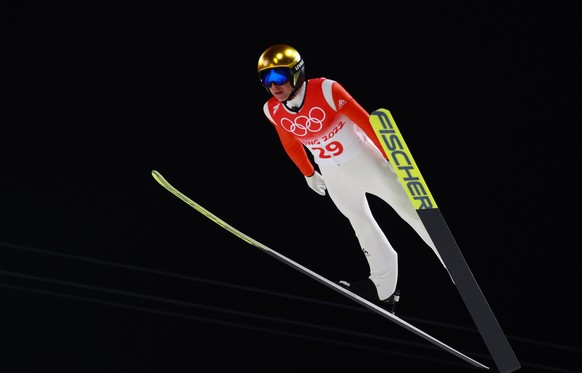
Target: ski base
(364, 302)
(420, 196)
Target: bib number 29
(332, 149)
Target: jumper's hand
(316, 183)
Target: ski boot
(367, 290)
(390, 303)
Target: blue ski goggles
(277, 76)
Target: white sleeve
(326, 88)
(266, 111)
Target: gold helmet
(280, 64)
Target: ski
(395, 147)
(364, 302)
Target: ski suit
(334, 127)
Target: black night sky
(102, 270)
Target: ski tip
(375, 112)
(158, 176)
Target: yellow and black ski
(409, 174)
(379, 310)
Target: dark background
(102, 270)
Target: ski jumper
(337, 132)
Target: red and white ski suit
(337, 132)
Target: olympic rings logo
(302, 124)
